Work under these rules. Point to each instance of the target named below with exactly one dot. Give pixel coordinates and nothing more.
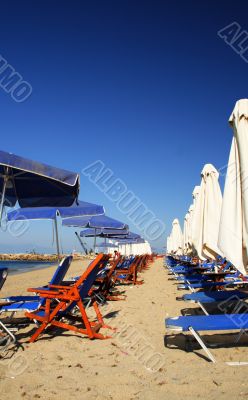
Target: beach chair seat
(215, 296)
(21, 304)
(222, 297)
(193, 278)
(203, 323)
(57, 278)
(210, 285)
(220, 322)
(70, 298)
(129, 275)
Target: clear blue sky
(145, 86)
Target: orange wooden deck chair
(145, 262)
(130, 274)
(68, 297)
(105, 284)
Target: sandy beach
(133, 364)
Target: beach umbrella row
(52, 213)
(45, 193)
(95, 223)
(201, 222)
(219, 227)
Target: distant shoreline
(37, 257)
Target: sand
(133, 364)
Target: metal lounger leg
(202, 344)
(8, 332)
(203, 308)
(241, 333)
(190, 288)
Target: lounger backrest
(131, 261)
(59, 274)
(91, 277)
(3, 276)
(115, 264)
(85, 282)
(61, 271)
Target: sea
(18, 267)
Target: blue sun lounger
(190, 268)
(203, 323)
(197, 278)
(32, 303)
(212, 297)
(210, 285)
(222, 297)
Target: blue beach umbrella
(110, 245)
(95, 223)
(111, 233)
(42, 213)
(33, 184)
(99, 221)
(131, 236)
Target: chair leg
(38, 332)
(202, 344)
(86, 320)
(100, 318)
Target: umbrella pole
(57, 236)
(95, 242)
(3, 198)
(81, 242)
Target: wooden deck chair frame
(131, 273)
(69, 297)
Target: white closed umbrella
(186, 234)
(148, 249)
(233, 232)
(207, 212)
(195, 194)
(169, 245)
(177, 238)
(191, 210)
(190, 221)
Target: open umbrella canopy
(131, 236)
(83, 208)
(100, 221)
(111, 233)
(42, 213)
(108, 245)
(34, 184)
(131, 241)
